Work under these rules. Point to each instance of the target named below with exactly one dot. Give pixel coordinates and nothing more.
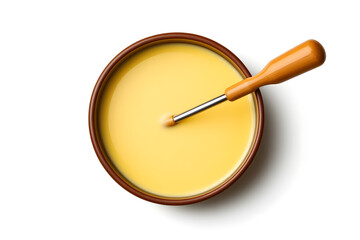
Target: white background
(303, 183)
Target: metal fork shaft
(200, 108)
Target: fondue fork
(300, 59)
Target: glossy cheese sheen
(197, 154)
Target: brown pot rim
(103, 159)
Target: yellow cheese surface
(197, 154)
